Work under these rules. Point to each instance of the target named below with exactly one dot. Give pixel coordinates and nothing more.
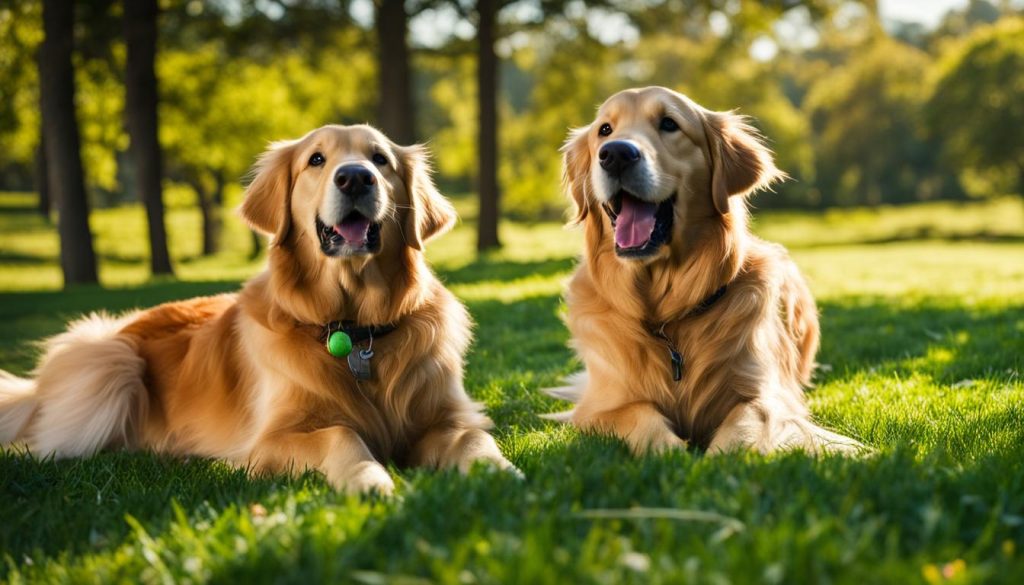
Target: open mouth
(355, 235)
(641, 227)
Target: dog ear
(576, 171)
(267, 198)
(431, 213)
(740, 162)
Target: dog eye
(317, 159)
(379, 159)
(668, 125)
(604, 130)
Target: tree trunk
(209, 208)
(140, 106)
(62, 143)
(257, 245)
(396, 114)
(487, 99)
(39, 178)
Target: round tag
(339, 344)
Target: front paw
(491, 462)
(364, 478)
(657, 443)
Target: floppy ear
(431, 214)
(576, 172)
(265, 207)
(740, 162)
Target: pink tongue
(353, 230)
(635, 222)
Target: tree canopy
(858, 111)
(977, 107)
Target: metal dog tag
(359, 363)
(677, 363)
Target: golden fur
(749, 356)
(244, 377)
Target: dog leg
(640, 424)
(755, 426)
(337, 452)
(459, 448)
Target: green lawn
(923, 322)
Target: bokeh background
(866, 103)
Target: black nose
(354, 179)
(617, 156)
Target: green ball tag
(339, 344)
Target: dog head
(652, 160)
(347, 191)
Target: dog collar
(340, 337)
(674, 356)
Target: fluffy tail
(88, 392)
(571, 392)
(17, 403)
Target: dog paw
(492, 463)
(367, 477)
(659, 443)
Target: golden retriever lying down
(261, 378)
(691, 329)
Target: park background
(900, 123)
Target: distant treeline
(859, 111)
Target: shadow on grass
(79, 505)
(949, 343)
(504, 270)
(13, 258)
(82, 299)
(23, 211)
(522, 346)
(519, 347)
(918, 234)
(30, 316)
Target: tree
(868, 128)
(396, 113)
(977, 110)
(484, 14)
(553, 82)
(61, 139)
(140, 30)
(487, 107)
(219, 111)
(45, 205)
(21, 158)
(235, 76)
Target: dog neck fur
(373, 290)
(702, 257)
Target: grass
(923, 335)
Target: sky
(435, 25)
(926, 12)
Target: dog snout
(617, 156)
(354, 180)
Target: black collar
(658, 331)
(357, 333)
(699, 309)
(703, 306)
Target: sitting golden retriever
(346, 352)
(690, 328)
